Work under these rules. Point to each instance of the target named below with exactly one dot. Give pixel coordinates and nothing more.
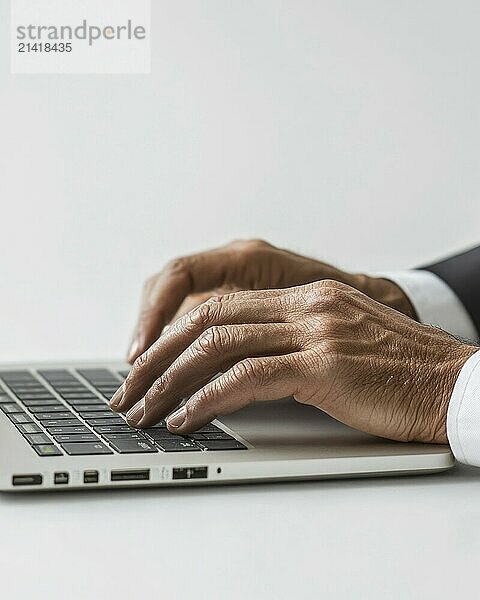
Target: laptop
(57, 432)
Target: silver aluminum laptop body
(280, 440)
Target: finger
(165, 293)
(216, 350)
(242, 307)
(248, 381)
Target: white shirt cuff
(463, 415)
(434, 302)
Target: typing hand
(325, 343)
(187, 282)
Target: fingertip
(117, 398)
(176, 422)
(134, 351)
(136, 414)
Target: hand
(189, 281)
(325, 343)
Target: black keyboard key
(159, 425)
(208, 429)
(85, 409)
(77, 403)
(110, 421)
(161, 434)
(31, 388)
(67, 386)
(112, 387)
(42, 402)
(213, 435)
(48, 416)
(47, 450)
(15, 375)
(222, 445)
(105, 414)
(61, 422)
(77, 395)
(29, 428)
(180, 445)
(70, 388)
(97, 375)
(35, 396)
(4, 398)
(50, 410)
(103, 429)
(38, 438)
(27, 386)
(68, 430)
(123, 436)
(129, 446)
(10, 407)
(52, 374)
(20, 418)
(77, 437)
(67, 382)
(86, 448)
(108, 395)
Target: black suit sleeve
(462, 274)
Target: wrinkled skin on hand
(325, 343)
(242, 265)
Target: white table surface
(408, 537)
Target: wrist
(445, 377)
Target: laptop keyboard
(60, 411)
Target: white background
(346, 130)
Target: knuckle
(204, 314)
(247, 372)
(251, 244)
(255, 244)
(224, 298)
(332, 284)
(140, 362)
(138, 370)
(249, 250)
(326, 298)
(252, 249)
(158, 388)
(201, 398)
(332, 295)
(215, 340)
(178, 266)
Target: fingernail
(177, 419)
(134, 350)
(136, 413)
(117, 397)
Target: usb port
(90, 477)
(130, 475)
(190, 473)
(60, 478)
(27, 479)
